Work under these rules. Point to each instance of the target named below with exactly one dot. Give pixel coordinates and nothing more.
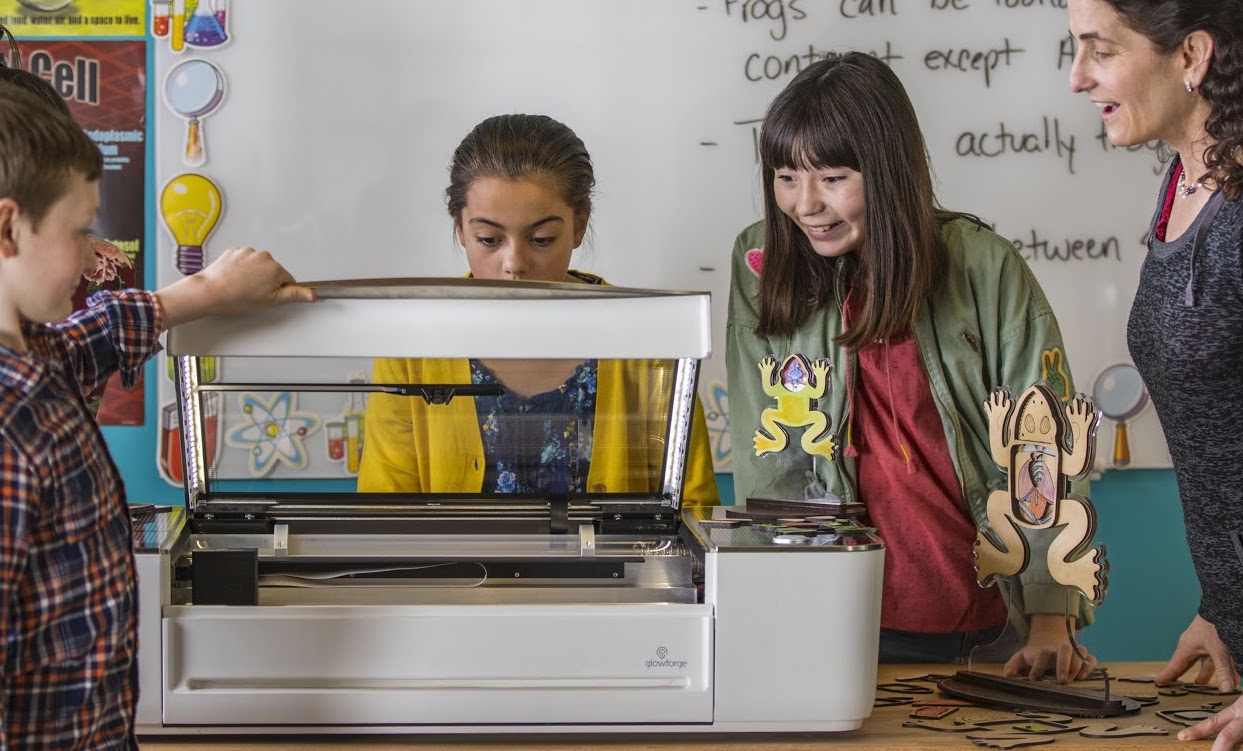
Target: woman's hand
(1199, 643)
(1227, 725)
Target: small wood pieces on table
(1000, 726)
(942, 701)
(788, 507)
(903, 688)
(1009, 740)
(932, 712)
(942, 727)
(923, 678)
(1111, 730)
(1185, 717)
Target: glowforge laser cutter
(289, 595)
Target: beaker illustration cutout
(193, 90)
(205, 27)
(190, 205)
(1120, 395)
(171, 462)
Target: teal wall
(1152, 596)
(1153, 593)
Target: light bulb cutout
(190, 204)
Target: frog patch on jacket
(794, 386)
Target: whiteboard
(331, 142)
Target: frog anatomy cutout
(794, 386)
(1042, 446)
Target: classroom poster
(104, 84)
(74, 18)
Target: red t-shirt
(1167, 208)
(907, 482)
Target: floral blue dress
(537, 444)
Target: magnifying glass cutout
(1120, 395)
(193, 90)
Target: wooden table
(883, 730)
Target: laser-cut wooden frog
(794, 386)
(1042, 446)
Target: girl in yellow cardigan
(520, 197)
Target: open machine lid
(480, 402)
(439, 317)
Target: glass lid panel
(406, 431)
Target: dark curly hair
(1166, 23)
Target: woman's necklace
(1184, 189)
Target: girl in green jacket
(913, 315)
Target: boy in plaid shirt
(67, 586)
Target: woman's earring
(1190, 89)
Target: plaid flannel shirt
(68, 600)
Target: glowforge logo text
(662, 661)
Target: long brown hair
(1166, 23)
(850, 110)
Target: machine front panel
(438, 665)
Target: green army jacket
(988, 326)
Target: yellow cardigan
(414, 447)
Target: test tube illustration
(170, 445)
(178, 26)
(172, 465)
(160, 21)
(335, 432)
(207, 369)
(353, 443)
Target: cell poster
(74, 18)
(104, 84)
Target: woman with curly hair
(1172, 70)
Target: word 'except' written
(983, 60)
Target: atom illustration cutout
(273, 432)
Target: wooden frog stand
(1043, 445)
